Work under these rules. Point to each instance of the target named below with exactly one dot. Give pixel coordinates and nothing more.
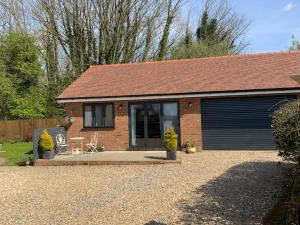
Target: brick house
(218, 102)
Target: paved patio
(111, 158)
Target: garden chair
(61, 143)
(92, 146)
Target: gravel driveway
(211, 187)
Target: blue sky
(273, 22)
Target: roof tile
(212, 74)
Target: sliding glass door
(149, 121)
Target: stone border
(45, 162)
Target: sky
(272, 22)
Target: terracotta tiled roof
(214, 74)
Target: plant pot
(48, 154)
(171, 155)
(191, 150)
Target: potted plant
(190, 146)
(46, 145)
(170, 143)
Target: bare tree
(13, 16)
(172, 8)
(230, 24)
(104, 31)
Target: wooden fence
(12, 129)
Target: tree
(200, 49)
(21, 95)
(231, 27)
(7, 97)
(220, 32)
(20, 57)
(30, 105)
(172, 8)
(295, 44)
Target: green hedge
(286, 124)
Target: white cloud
(289, 7)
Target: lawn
(15, 153)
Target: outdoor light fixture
(71, 119)
(190, 105)
(120, 107)
(69, 116)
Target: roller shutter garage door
(239, 123)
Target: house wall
(190, 121)
(118, 138)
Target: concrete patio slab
(110, 158)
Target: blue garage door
(239, 123)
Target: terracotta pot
(191, 150)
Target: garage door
(239, 123)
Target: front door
(149, 121)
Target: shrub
(190, 144)
(18, 139)
(25, 161)
(46, 142)
(170, 140)
(28, 138)
(286, 124)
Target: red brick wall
(190, 121)
(112, 138)
(118, 138)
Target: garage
(242, 123)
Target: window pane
(137, 125)
(108, 121)
(153, 125)
(99, 116)
(170, 116)
(88, 116)
(103, 115)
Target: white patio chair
(92, 146)
(61, 143)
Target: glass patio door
(149, 122)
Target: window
(98, 115)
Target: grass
(15, 153)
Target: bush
(28, 138)
(170, 140)
(286, 124)
(18, 139)
(46, 142)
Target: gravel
(211, 187)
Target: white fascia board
(205, 95)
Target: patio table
(77, 141)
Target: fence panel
(11, 129)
